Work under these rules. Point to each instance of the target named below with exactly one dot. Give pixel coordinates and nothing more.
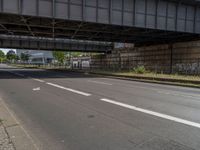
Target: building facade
(37, 56)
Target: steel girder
(137, 21)
(24, 42)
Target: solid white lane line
(153, 113)
(69, 89)
(99, 82)
(42, 81)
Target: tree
(2, 56)
(76, 54)
(11, 56)
(59, 56)
(24, 57)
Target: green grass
(150, 74)
(139, 70)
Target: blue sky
(6, 50)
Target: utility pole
(171, 58)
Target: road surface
(72, 111)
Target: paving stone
(5, 142)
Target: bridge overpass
(135, 21)
(27, 42)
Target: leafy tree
(11, 56)
(17, 57)
(2, 56)
(76, 54)
(24, 57)
(59, 56)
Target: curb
(18, 136)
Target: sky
(6, 50)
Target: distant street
(74, 111)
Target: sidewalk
(12, 135)
(5, 141)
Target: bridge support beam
(24, 42)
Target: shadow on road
(14, 73)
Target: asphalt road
(72, 111)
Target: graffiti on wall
(188, 68)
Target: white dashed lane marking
(166, 92)
(153, 113)
(69, 89)
(39, 80)
(99, 82)
(36, 89)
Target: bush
(139, 70)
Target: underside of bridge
(45, 27)
(52, 44)
(132, 21)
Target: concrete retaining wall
(181, 58)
